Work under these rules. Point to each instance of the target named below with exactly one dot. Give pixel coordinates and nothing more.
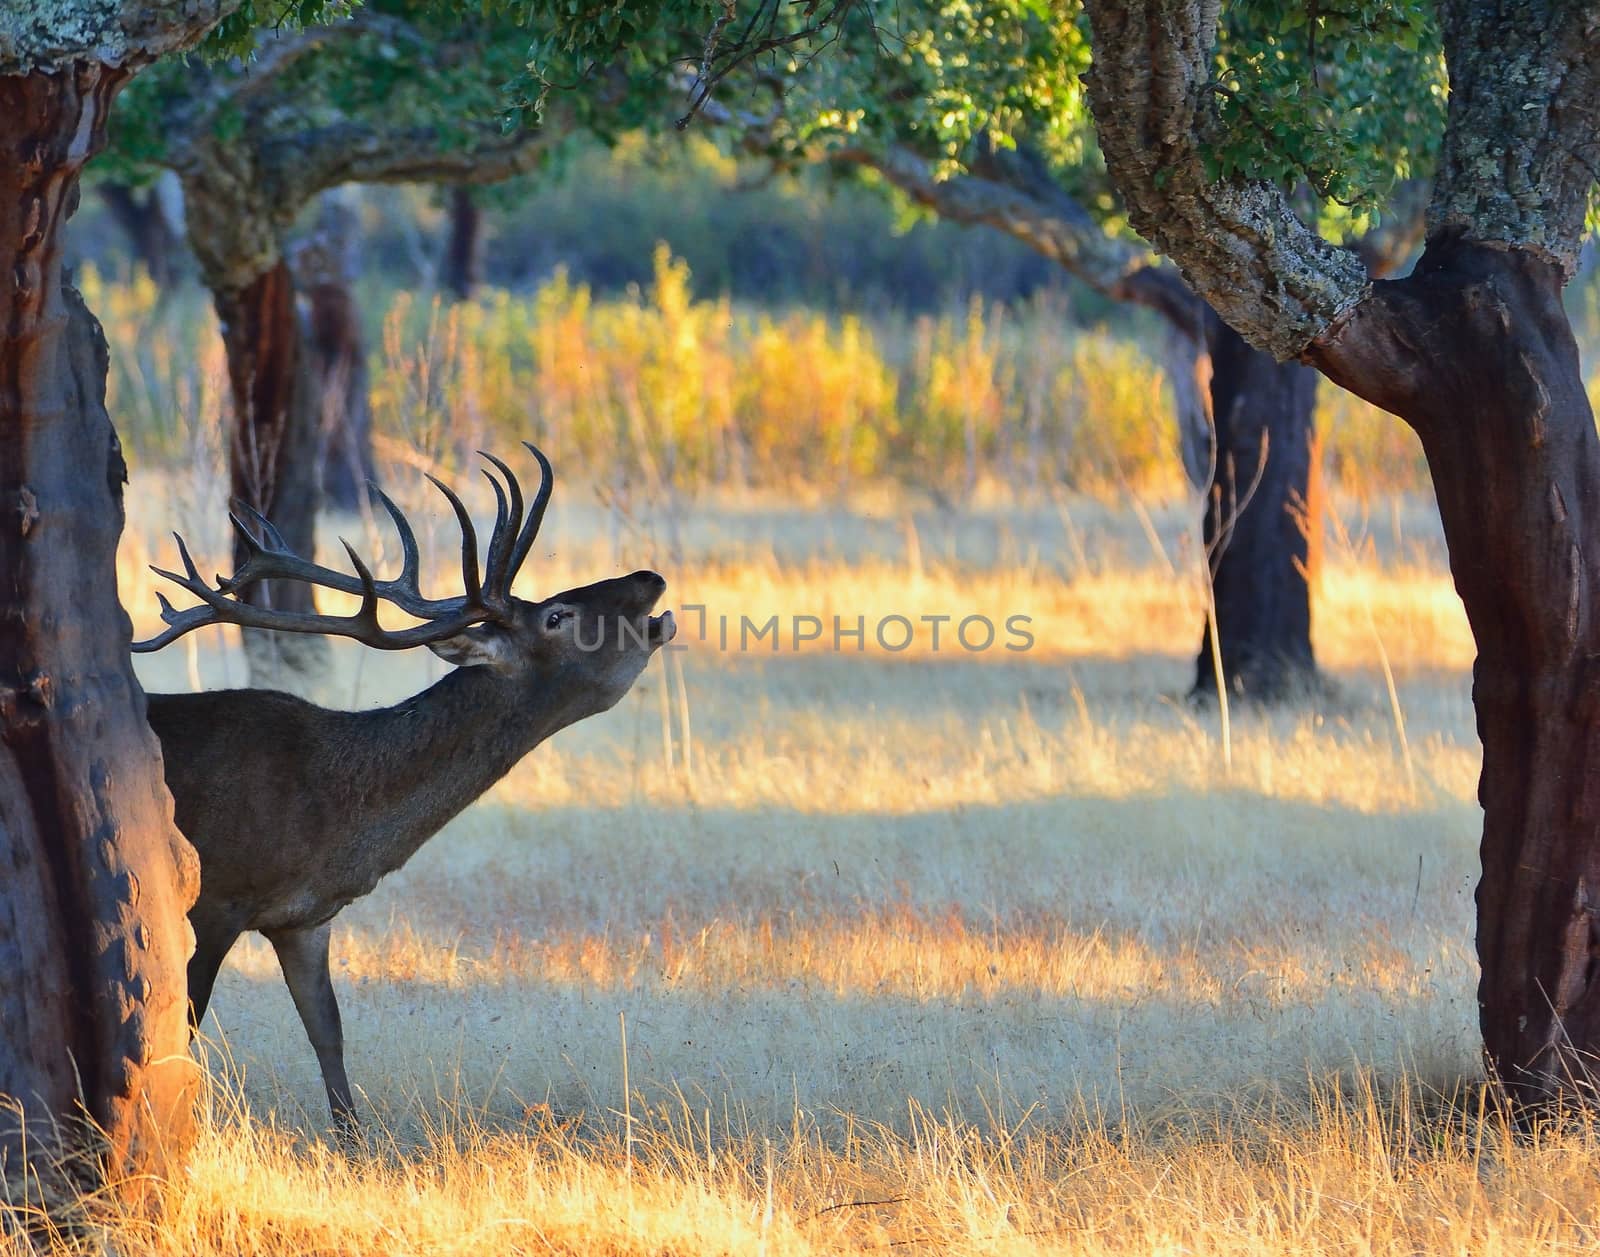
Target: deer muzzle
(662, 628)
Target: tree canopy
(1346, 103)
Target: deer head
(602, 633)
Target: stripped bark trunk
(272, 458)
(1247, 434)
(94, 879)
(1186, 363)
(1474, 350)
(1259, 524)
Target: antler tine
(507, 522)
(218, 607)
(267, 556)
(409, 562)
(367, 613)
(269, 530)
(270, 558)
(178, 622)
(469, 540)
(193, 573)
(497, 534)
(541, 500)
(253, 551)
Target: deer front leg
(303, 955)
(212, 943)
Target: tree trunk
(463, 253)
(325, 267)
(1186, 362)
(94, 879)
(1260, 522)
(144, 222)
(272, 458)
(1475, 352)
(339, 381)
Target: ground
(808, 949)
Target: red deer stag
(297, 810)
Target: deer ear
(480, 644)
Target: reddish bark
(94, 879)
(1474, 350)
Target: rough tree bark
(94, 879)
(1474, 351)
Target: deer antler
(268, 557)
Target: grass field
(817, 950)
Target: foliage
(1344, 101)
(1348, 99)
(695, 393)
(398, 65)
(236, 34)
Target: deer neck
(433, 754)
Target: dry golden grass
(949, 951)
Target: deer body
(297, 810)
(341, 798)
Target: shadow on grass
(1085, 957)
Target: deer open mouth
(661, 629)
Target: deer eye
(553, 620)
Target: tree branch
(1066, 236)
(121, 33)
(1522, 145)
(1238, 242)
(306, 163)
(760, 35)
(243, 195)
(1011, 191)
